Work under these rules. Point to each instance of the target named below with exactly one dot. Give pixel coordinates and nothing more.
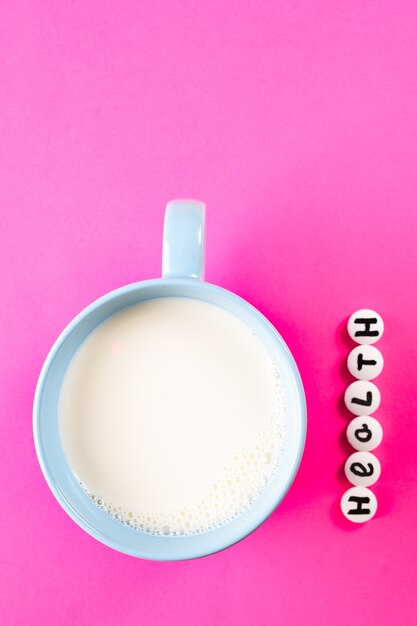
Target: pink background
(296, 122)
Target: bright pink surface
(296, 123)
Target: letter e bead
(362, 469)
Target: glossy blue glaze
(183, 243)
(46, 429)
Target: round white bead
(364, 433)
(365, 362)
(362, 397)
(365, 326)
(362, 469)
(358, 504)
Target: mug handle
(183, 241)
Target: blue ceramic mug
(182, 270)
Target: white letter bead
(358, 504)
(362, 397)
(365, 362)
(364, 433)
(365, 326)
(362, 469)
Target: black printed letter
(367, 434)
(359, 469)
(367, 321)
(367, 402)
(360, 500)
(362, 361)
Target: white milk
(172, 416)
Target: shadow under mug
(182, 270)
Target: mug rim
(192, 283)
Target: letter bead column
(364, 433)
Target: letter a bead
(364, 433)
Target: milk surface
(172, 416)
